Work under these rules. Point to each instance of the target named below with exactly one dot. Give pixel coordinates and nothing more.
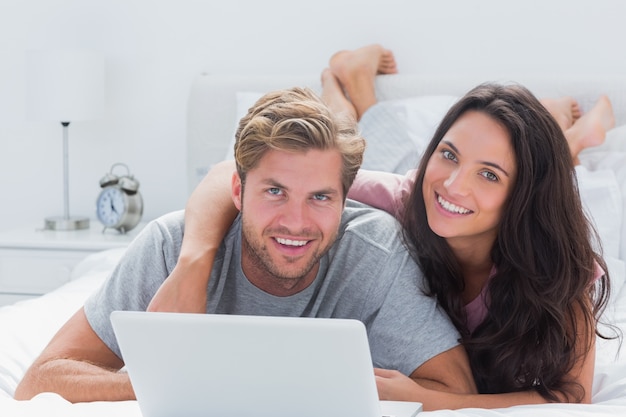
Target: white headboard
(211, 112)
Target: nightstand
(34, 261)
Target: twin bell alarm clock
(119, 205)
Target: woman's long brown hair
(544, 255)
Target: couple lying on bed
(492, 215)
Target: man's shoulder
(172, 221)
(164, 232)
(173, 217)
(370, 225)
(359, 213)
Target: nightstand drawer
(35, 261)
(36, 271)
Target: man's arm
(209, 213)
(77, 365)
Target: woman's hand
(395, 386)
(209, 213)
(184, 291)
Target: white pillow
(398, 131)
(611, 156)
(423, 115)
(601, 197)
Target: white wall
(153, 49)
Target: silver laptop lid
(225, 365)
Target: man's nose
(295, 215)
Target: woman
(493, 217)
(495, 222)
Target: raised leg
(564, 109)
(333, 95)
(356, 71)
(590, 129)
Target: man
(294, 251)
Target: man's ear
(236, 190)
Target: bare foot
(356, 71)
(334, 97)
(564, 109)
(590, 129)
(373, 59)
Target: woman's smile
(468, 179)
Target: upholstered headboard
(212, 106)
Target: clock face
(111, 206)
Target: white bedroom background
(154, 48)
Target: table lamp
(65, 86)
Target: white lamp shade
(64, 85)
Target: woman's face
(468, 180)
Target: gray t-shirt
(367, 275)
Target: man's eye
(320, 197)
(274, 191)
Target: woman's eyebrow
(491, 164)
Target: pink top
(382, 190)
(476, 310)
(386, 191)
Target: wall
(153, 49)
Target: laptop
(227, 365)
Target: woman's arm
(395, 386)
(392, 385)
(209, 213)
(383, 190)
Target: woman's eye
(448, 155)
(490, 175)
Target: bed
(214, 105)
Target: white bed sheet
(27, 326)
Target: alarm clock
(119, 205)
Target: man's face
(291, 209)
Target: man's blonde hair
(296, 120)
